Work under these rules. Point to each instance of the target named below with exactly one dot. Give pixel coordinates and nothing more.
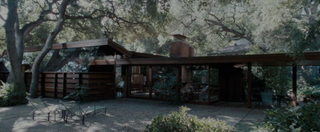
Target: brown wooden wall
(58, 85)
(231, 83)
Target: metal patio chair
(39, 105)
(267, 98)
(256, 98)
(72, 108)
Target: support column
(149, 80)
(42, 84)
(178, 83)
(55, 85)
(249, 86)
(209, 86)
(64, 85)
(294, 85)
(126, 81)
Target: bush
(181, 122)
(312, 92)
(11, 94)
(301, 118)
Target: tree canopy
(278, 25)
(289, 26)
(40, 22)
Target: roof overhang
(277, 59)
(145, 55)
(80, 44)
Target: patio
(125, 114)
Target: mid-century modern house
(203, 80)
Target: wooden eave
(103, 62)
(277, 59)
(145, 55)
(79, 44)
(120, 48)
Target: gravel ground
(124, 114)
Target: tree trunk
(47, 47)
(14, 41)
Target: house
(95, 63)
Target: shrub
(181, 122)
(301, 118)
(11, 94)
(312, 92)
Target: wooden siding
(58, 85)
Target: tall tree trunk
(47, 47)
(14, 43)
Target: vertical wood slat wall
(58, 85)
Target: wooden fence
(59, 84)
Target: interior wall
(231, 83)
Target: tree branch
(47, 47)
(2, 18)
(103, 13)
(30, 26)
(225, 28)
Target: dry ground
(125, 114)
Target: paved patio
(125, 114)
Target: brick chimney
(179, 47)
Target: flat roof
(275, 59)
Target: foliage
(198, 73)
(82, 19)
(301, 118)
(312, 92)
(181, 122)
(11, 94)
(166, 84)
(79, 94)
(275, 78)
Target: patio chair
(204, 93)
(267, 97)
(73, 109)
(39, 105)
(255, 98)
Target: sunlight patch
(4, 109)
(22, 125)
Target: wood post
(55, 85)
(126, 81)
(149, 80)
(42, 84)
(249, 86)
(64, 85)
(209, 86)
(178, 83)
(294, 85)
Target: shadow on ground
(128, 115)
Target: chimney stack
(179, 47)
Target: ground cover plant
(182, 122)
(300, 118)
